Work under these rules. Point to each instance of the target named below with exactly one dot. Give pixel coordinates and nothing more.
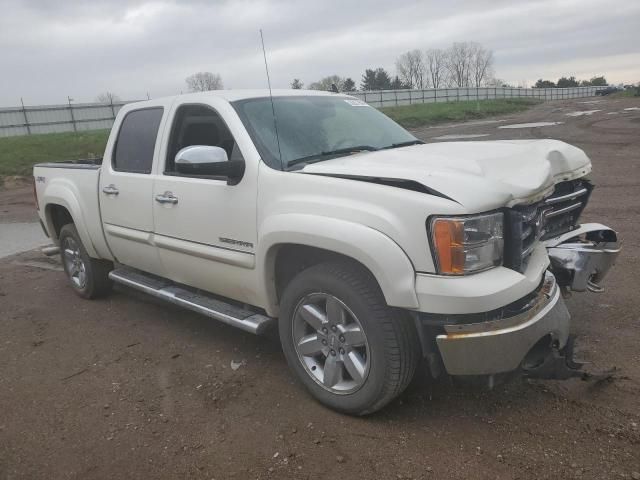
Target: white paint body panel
(382, 227)
(480, 176)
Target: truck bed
(88, 163)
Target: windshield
(317, 128)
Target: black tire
(392, 341)
(96, 272)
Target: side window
(199, 125)
(137, 140)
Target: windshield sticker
(356, 103)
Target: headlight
(465, 245)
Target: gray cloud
(51, 49)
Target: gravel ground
(126, 387)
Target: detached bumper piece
(580, 259)
(501, 345)
(558, 364)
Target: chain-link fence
(29, 120)
(73, 117)
(392, 98)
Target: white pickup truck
(371, 251)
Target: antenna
(273, 108)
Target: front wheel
(88, 276)
(352, 352)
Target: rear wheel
(352, 352)
(89, 277)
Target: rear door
(206, 236)
(126, 187)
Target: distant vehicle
(607, 90)
(370, 250)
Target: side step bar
(199, 302)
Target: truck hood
(478, 175)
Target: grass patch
(422, 114)
(19, 154)
(629, 92)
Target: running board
(198, 302)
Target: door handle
(167, 197)
(110, 190)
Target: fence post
(113, 111)
(73, 120)
(26, 120)
(395, 94)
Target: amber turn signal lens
(448, 236)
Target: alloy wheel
(74, 264)
(331, 343)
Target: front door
(126, 189)
(205, 229)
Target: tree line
(463, 64)
(566, 82)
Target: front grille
(553, 216)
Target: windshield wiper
(403, 144)
(330, 153)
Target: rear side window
(137, 140)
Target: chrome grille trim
(555, 213)
(548, 218)
(571, 196)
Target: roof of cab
(233, 95)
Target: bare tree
(435, 67)
(204, 81)
(459, 63)
(297, 84)
(108, 97)
(481, 64)
(411, 69)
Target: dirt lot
(129, 388)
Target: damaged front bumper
(501, 345)
(529, 335)
(580, 259)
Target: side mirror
(208, 161)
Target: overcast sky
(51, 49)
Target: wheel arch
(291, 242)
(62, 207)
(57, 216)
